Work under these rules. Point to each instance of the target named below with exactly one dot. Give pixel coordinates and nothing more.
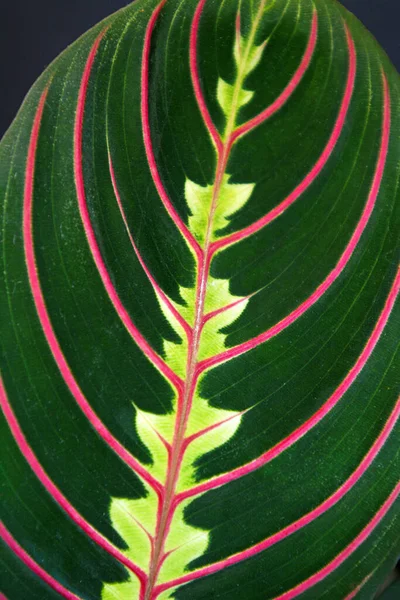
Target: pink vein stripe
(317, 168)
(194, 70)
(91, 236)
(148, 140)
(344, 259)
(33, 566)
(306, 519)
(325, 409)
(358, 589)
(45, 319)
(184, 324)
(346, 553)
(54, 491)
(223, 309)
(290, 88)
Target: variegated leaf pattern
(199, 349)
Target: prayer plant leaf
(199, 315)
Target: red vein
(238, 27)
(44, 318)
(306, 519)
(184, 324)
(198, 434)
(55, 492)
(149, 536)
(290, 88)
(318, 416)
(194, 70)
(223, 309)
(346, 553)
(162, 439)
(33, 566)
(343, 261)
(358, 589)
(91, 236)
(317, 168)
(148, 139)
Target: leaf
(392, 592)
(199, 291)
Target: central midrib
(186, 395)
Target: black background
(34, 32)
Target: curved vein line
(55, 492)
(198, 434)
(317, 168)
(194, 71)
(44, 317)
(159, 292)
(343, 261)
(193, 243)
(358, 589)
(238, 28)
(309, 517)
(326, 408)
(33, 566)
(346, 553)
(90, 233)
(224, 309)
(290, 88)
